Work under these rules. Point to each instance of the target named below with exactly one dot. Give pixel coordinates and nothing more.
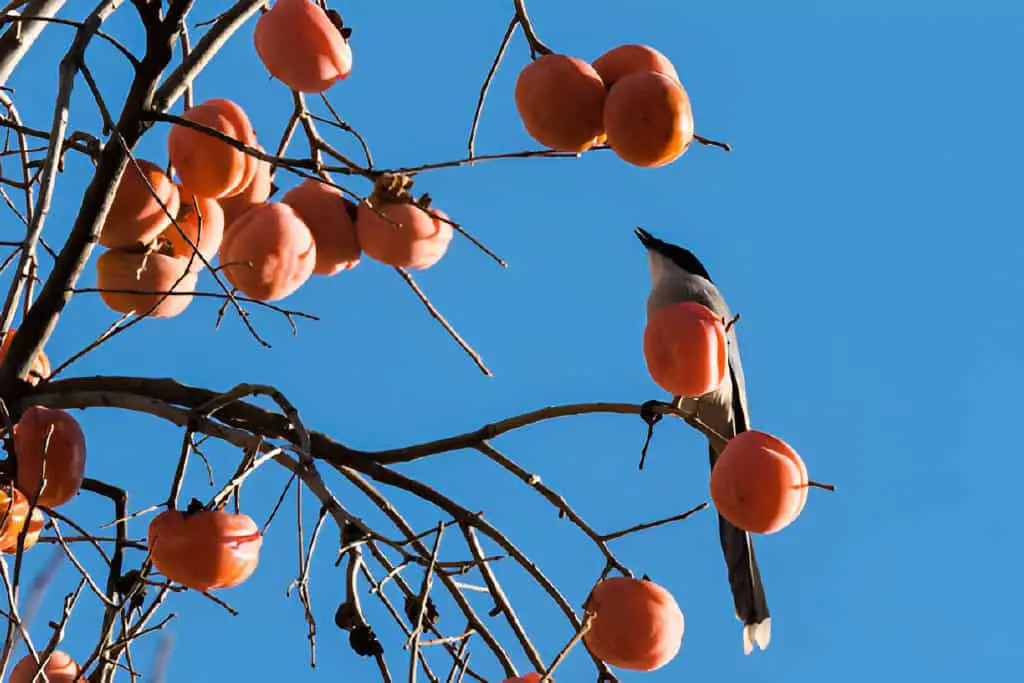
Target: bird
(677, 275)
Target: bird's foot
(650, 415)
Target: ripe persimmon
(135, 216)
(137, 282)
(59, 668)
(256, 192)
(759, 482)
(50, 446)
(561, 101)
(35, 527)
(208, 166)
(630, 59)
(415, 240)
(300, 46)
(13, 512)
(638, 626)
(269, 252)
(204, 549)
(648, 119)
(40, 368)
(531, 677)
(685, 349)
(331, 217)
(212, 233)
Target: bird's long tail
(745, 580)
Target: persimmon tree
(248, 221)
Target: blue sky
(866, 226)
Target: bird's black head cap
(684, 258)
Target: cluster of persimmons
(198, 548)
(220, 201)
(630, 97)
(161, 232)
(759, 482)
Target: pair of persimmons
(267, 249)
(50, 464)
(759, 482)
(630, 97)
(198, 548)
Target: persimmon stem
(537, 46)
(712, 143)
(818, 485)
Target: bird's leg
(652, 417)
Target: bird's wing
(729, 415)
(744, 575)
(740, 409)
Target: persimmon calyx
(194, 506)
(392, 187)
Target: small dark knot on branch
(130, 583)
(412, 609)
(347, 616)
(364, 642)
(353, 533)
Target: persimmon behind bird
(684, 346)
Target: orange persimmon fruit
(40, 368)
(59, 668)
(638, 626)
(207, 243)
(135, 216)
(148, 277)
(648, 119)
(35, 528)
(415, 240)
(624, 60)
(561, 100)
(204, 549)
(331, 217)
(531, 677)
(50, 448)
(208, 166)
(759, 483)
(685, 349)
(300, 46)
(13, 512)
(269, 252)
(256, 192)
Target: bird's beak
(646, 238)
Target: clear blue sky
(867, 227)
